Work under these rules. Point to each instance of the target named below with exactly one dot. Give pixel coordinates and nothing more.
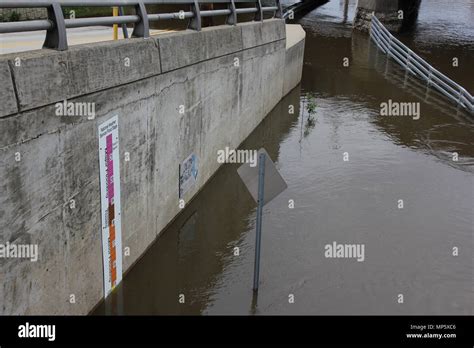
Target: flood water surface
(387, 183)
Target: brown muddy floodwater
(408, 251)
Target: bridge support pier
(396, 15)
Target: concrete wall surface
(295, 40)
(227, 78)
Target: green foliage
(14, 17)
(83, 12)
(311, 106)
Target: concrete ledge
(188, 47)
(7, 92)
(269, 31)
(294, 35)
(295, 41)
(45, 77)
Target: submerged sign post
(109, 164)
(264, 183)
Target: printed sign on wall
(109, 158)
(187, 174)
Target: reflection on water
(407, 251)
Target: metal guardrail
(56, 24)
(418, 66)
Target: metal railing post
(407, 69)
(56, 37)
(232, 18)
(56, 24)
(259, 13)
(279, 12)
(124, 26)
(142, 28)
(428, 86)
(460, 94)
(195, 23)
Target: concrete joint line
(158, 46)
(29, 139)
(223, 55)
(15, 89)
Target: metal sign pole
(261, 184)
(264, 183)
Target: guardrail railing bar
(416, 87)
(56, 24)
(99, 3)
(246, 10)
(377, 40)
(89, 22)
(167, 16)
(401, 47)
(17, 27)
(419, 59)
(414, 64)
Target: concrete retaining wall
(224, 102)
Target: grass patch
(84, 12)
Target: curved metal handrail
(416, 65)
(56, 24)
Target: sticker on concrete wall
(110, 203)
(187, 174)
